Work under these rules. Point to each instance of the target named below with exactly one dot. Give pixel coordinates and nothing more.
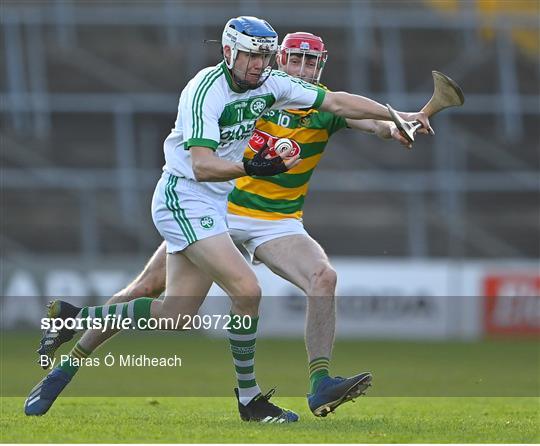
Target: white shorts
(184, 212)
(249, 233)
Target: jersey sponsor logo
(237, 132)
(207, 222)
(258, 140)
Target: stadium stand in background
(526, 39)
(89, 92)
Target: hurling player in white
(217, 113)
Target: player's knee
(246, 288)
(324, 280)
(147, 285)
(150, 287)
(246, 305)
(134, 291)
(250, 292)
(246, 297)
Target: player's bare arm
(383, 129)
(208, 167)
(359, 107)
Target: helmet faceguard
(257, 39)
(309, 48)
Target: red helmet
(306, 44)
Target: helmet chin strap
(240, 80)
(232, 59)
(235, 74)
(240, 77)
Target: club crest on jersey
(257, 106)
(305, 121)
(207, 222)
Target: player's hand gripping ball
(284, 147)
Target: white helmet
(254, 36)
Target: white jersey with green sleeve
(212, 113)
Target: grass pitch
(485, 391)
(207, 419)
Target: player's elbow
(200, 171)
(202, 163)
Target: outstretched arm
(359, 107)
(383, 129)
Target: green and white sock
(71, 364)
(242, 342)
(137, 309)
(318, 369)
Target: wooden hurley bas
(446, 93)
